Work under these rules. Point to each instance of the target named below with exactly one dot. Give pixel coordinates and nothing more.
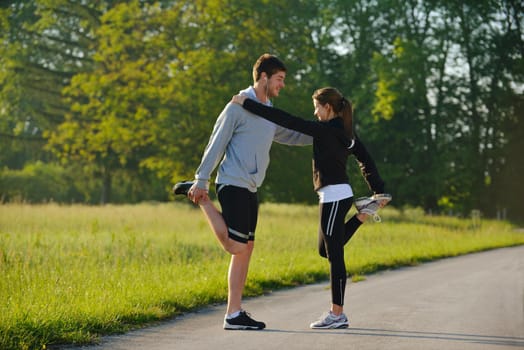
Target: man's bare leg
(215, 219)
(238, 268)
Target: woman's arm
(278, 116)
(368, 167)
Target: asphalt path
(474, 301)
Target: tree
(161, 79)
(120, 109)
(436, 86)
(44, 44)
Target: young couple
(241, 142)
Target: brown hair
(341, 106)
(270, 64)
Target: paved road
(469, 302)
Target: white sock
(336, 317)
(233, 315)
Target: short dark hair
(270, 64)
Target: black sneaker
(244, 322)
(182, 187)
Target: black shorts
(240, 211)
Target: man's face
(275, 83)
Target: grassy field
(73, 273)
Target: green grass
(73, 273)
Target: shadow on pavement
(370, 332)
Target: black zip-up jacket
(331, 147)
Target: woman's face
(323, 112)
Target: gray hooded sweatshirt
(241, 142)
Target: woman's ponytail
(346, 112)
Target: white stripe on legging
(331, 221)
(340, 281)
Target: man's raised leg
(218, 226)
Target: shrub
(36, 183)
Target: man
(241, 143)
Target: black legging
(333, 234)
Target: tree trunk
(106, 187)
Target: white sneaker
(382, 197)
(331, 321)
(370, 205)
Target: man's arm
(215, 149)
(292, 137)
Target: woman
(333, 142)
